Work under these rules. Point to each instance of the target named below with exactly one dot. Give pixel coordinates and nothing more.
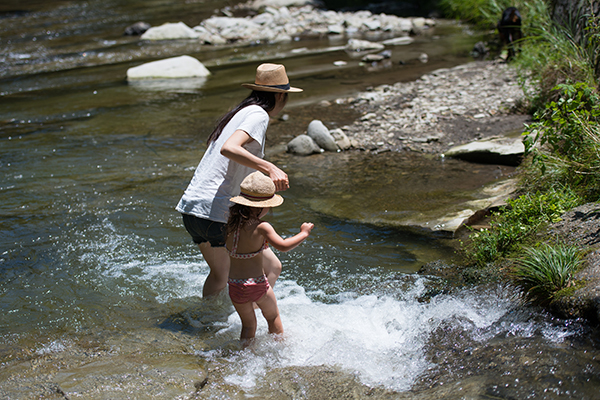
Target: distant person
(235, 148)
(248, 238)
(509, 29)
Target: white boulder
(176, 67)
(170, 31)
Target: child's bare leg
(248, 317)
(271, 265)
(268, 306)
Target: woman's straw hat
(271, 78)
(258, 190)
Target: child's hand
(307, 227)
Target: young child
(247, 237)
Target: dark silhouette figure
(509, 29)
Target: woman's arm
(281, 244)
(234, 150)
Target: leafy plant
(565, 142)
(521, 219)
(546, 271)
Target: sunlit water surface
(100, 285)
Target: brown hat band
(256, 198)
(284, 87)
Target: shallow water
(100, 283)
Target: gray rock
(320, 134)
(170, 31)
(363, 45)
(493, 151)
(341, 139)
(176, 67)
(137, 29)
(303, 145)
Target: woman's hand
(279, 178)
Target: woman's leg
(268, 306)
(248, 317)
(272, 266)
(218, 262)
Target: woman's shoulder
(254, 109)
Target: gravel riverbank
(442, 109)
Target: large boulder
(503, 151)
(176, 67)
(303, 145)
(321, 135)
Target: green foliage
(554, 54)
(523, 217)
(546, 272)
(564, 143)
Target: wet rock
(137, 29)
(503, 151)
(320, 134)
(399, 41)
(341, 139)
(363, 45)
(176, 67)
(276, 21)
(372, 58)
(170, 31)
(303, 145)
(581, 227)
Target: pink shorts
(247, 290)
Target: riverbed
(101, 286)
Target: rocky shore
(445, 108)
(450, 107)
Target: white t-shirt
(217, 178)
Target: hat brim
(274, 201)
(262, 88)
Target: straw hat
(271, 78)
(258, 190)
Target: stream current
(100, 285)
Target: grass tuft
(546, 272)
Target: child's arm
(281, 244)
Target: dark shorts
(204, 230)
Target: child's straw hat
(258, 190)
(271, 78)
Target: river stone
(176, 67)
(137, 29)
(503, 151)
(341, 139)
(234, 28)
(303, 145)
(363, 45)
(170, 31)
(399, 41)
(320, 134)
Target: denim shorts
(204, 230)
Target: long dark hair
(266, 100)
(240, 215)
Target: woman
(235, 149)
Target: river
(100, 288)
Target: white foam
(381, 339)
